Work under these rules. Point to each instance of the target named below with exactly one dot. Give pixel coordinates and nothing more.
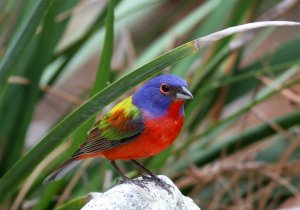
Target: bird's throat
(176, 109)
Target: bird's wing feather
(119, 126)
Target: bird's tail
(62, 170)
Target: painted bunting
(140, 126)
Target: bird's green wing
(119, 126)
(123, 121)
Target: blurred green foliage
(219, 159)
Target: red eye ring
(164, 88)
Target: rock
(130, 196)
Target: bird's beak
(184, 94)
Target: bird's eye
(164, 88)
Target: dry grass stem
(281, 181)
(18, 80)
(74, 11)
(278, 10)
(287, 93)
(67, 191)
(263, 118)
(226, 188)
(30, 180)
(63, 95)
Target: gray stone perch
(129, 196)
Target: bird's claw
(140, 183)
(159, 182)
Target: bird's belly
(157, 136)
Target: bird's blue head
(156, 96)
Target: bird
(140, 126)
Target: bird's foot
(140, 183)
(159, 182)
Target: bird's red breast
(158, 134)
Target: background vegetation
(63, 62)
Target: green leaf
(75, 204)
(21, 39)
(106, 56)
(213, 22)
(49, 38)
(46, 196)
(102, 77)
(186, 24)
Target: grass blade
(75, 204)
(106, 56)
(103, 73)
(50, 36)
(21, 39)
(186, 24)
(209, 39)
